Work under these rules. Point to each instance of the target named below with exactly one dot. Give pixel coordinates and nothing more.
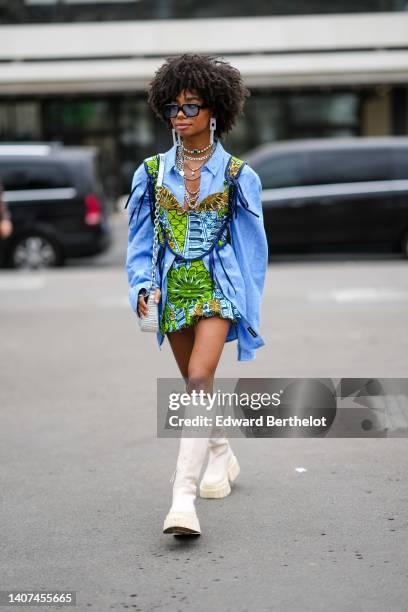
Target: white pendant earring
(213, 126)
(176, 137)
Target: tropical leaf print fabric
(191, 293)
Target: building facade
(76, 71)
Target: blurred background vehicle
(57, 203)
(330, 194)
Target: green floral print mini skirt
(192, 294)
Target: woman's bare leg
(197, 349)
(210, 335)
(208, 342)
(181, 343)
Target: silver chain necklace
(192, 199)
(203, 157)
(196, 150)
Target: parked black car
(57, 204)
(326, 195)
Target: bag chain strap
(158, 184)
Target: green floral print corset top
(191, 292)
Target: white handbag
(150, 323)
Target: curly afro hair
(217, 82)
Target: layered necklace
(182, 155)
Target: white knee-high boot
(222, 469)
(182, 517)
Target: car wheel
(35, 251)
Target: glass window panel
(399, 160)
(281, 171)
(43, 11)
(23, 175)
(20, 121)
(348, 165)
(334, 108)
(272, 116)
(79, 115)
(135, 124)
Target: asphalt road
(85, 481)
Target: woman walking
(212, 256)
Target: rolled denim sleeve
(250, 244)
(140, 238)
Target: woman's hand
(6, 228)
(142, 307)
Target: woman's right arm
(140, 238)
(6, 226)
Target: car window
(25, 175)
(89, 174)
(347, 166)
(100, 175)
(399, 160)
(280, 170)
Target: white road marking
(362, 295)
(20, 282)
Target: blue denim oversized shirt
(239, 268)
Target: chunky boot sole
(185, 523)
(222, 489)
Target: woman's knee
(199, 377)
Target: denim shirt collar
(211, 164)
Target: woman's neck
(197, 142)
